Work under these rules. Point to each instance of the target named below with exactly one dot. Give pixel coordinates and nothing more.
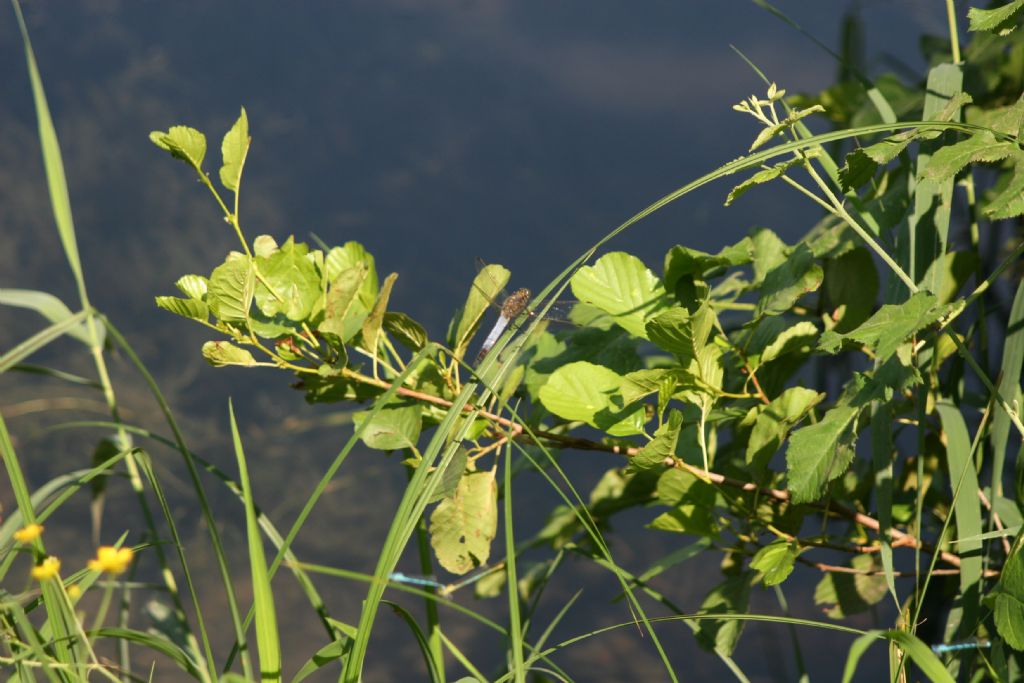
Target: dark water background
(432, 132)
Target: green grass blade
(434, 667)
(267, 638)
(967, 510)
(515, 623)
(1009, 386)
(39, 340)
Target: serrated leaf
(845, 594)
(662, 447)
(1000, 20)
(889, 327)
(775, 561)
(406, 330)
(691, 501)
(642, 383)
(947, 161)
(590, 393)
(797, 275)
(375, 321)
(771, 131)
(290, 283)
(623, 287)
(187, 308)
(221, 353)
(773, 422)
(343, 313)
(862, 163)
(193, 286)
(819, 453)
(393, 427)
(761, 177)
(463, 526)
(184, 143)
(234, 148)
(231, 289)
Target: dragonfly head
(515, 303)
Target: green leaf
(680, 332)
(290, 284)
(763, 176)
(1009, 597)
(980, 147)
(798, 338)
(375, 321)
(1000, 20)
(773, 422)
(234, 149)
(662, 447)
(51, 308)
(797, 275)
(819, 453)
(590, 393)
(730, 597)
(353, 255)
(406, 330)
(184, 143)
(343, 312)
(486, 287)
(193, 286)
(221, 353)
(187, 308)
(264, 245)
(394, 426)
(794, 116)
(231, 289)
(862, 163)
(683, 261)
(450, 477)
(851, 286)
(1009, 202)
(623, 287)
(691, 501)
(948, 273)
(463, 526)
(889, 327)
(843, 594)
(775, 561)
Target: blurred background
(432, 132)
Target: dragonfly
(514, 305)
(974, 644)
(443, 589)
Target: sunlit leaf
(375, 321)
(797, 275)
(234, 149)
(590, 393)
(680, 332)
(763, 176)
(773, 422)
(184, 143)
(463, 526)
(843, 594)
(623, 287)
(775, 561)
(406, 330)
(947, 161)
(51, 308)
(486, 288)
(730, 597)
(819, 453)
(392, 428)
(662, 447)
(187, 308)
(193, 286)
(231, 289)
(343, 312)
(220, 353)
(889, 327)
(1009, 597)
(292, 284)
(354, 255)
(1000, 20)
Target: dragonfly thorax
(515, 304)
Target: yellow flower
(48, 568)
(111, 559)
(28, 533)
(74, 591)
